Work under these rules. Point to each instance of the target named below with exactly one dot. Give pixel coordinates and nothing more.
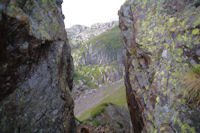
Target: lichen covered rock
(36, 68)
(161, 40)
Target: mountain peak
(84, 33)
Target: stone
(155, 93)
(116, 118)
(36, 68)
(198, 52)
(164, 54)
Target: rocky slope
(97, 53)
(104, 108)
(36, 68)
(162, 71)
(83, 33)
(90, 45)
(114, 119)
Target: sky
(88, 12)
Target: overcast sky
(88, 12)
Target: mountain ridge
(97, 53)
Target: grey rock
(157, 95)
(164, 54)
(36, 76)
(116, 118)
(198, 52)
(193, 63)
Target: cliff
(95, 45)
(36, 68)
(97, 53)
(162, 71)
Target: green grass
(78, 76)
(95, 71)
(120, 124)
(96, 123)
(192, 86)
(107, 91)
(117, 98)
(109, 39)
(196, 69)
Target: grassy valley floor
(92, 103)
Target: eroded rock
(36, 68)
(160, 39)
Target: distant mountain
(76, 29)
(97, 53)
(83, 33)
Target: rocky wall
(162, 42)
(36, 68)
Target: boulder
(161, 40)
(36, 68)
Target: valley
(98, 79)
(138, 74)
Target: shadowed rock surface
(36, 68)
(161, 40)
(115, 119)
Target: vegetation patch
(117, 98)
(111, 38)
(96, 123)
(109, 42)
(94, 73)
(196, 69)
(107, 91)
(192, 82)
(78, 76)
(120, 124)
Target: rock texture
(116, 118)
(93, 129)
(161, 40)
(36, 68)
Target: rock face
(116, 118)
(161, 40)
(36, 68)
